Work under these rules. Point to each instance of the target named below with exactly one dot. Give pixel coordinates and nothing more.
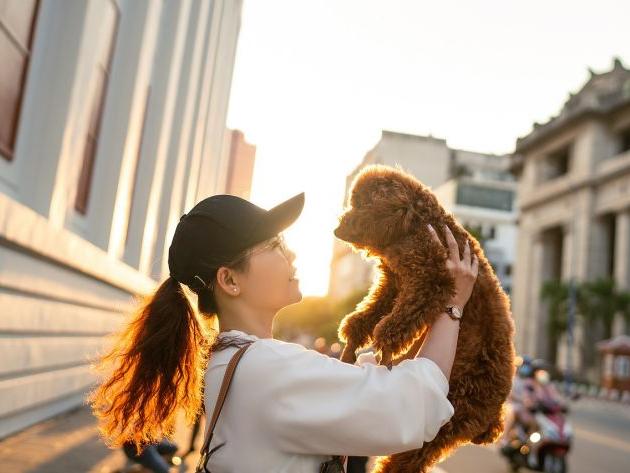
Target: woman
(288, 408)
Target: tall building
(112, 124)
(574, 203)
(476, 187)
(481, 195)
(241, 159)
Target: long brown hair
(157, 362)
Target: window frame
(7, 151)
(86, 173)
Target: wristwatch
(454, 312)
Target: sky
(315, 82)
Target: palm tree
(599, 301)
(556, 293)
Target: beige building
(476, 187)
(241, 159)
(574, 203)
(482, 197)
(112, 124)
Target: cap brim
(279, 218)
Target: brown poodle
(387, 217)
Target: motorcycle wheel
(555, 464)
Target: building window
(95, 112)
(556, 164)
(476, 195)
(17, 23)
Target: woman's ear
(226, 279)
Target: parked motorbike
(545, 448)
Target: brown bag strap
(225, 385)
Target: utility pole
(571, 308)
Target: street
(601, 443)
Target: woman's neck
(257, 324)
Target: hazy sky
(315, 82)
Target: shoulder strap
(225, 385)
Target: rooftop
(602, 94)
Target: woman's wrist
(444, 317)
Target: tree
(316, 316)
(556, 293)
(600, 300)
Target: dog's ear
(393, 222)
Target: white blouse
(289, 408)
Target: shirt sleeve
(315, 404)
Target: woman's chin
(295, 290)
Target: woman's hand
(464, 271)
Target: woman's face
(270, 281)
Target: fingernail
(429, 226)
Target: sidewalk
(70, 443)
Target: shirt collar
(239, 334)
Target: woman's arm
(314, 404)
(441, 342)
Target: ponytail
(156, 366)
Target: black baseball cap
(220, 227)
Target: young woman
(288, 408)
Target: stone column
(178, 159)
(121, 130)
(524, 299)
(622, 262)
(533, 303)
(165, 80)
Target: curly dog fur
(386, 217)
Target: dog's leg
(420, 460)
(356, 329)
(396, 332)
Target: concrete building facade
(241, 159)
(482, 197)
(112, 124)
(574, 210)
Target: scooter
(155, 457)
(547, 446)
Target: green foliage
(597, 302)
(600, 300)
(556, 293)
(316, 316)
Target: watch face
(454, 312)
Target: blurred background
(117, 116)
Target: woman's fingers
(475, 265)
(467, 259)
(434, 235)
(452, 245)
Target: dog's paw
(388, 337)
(491, 435)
